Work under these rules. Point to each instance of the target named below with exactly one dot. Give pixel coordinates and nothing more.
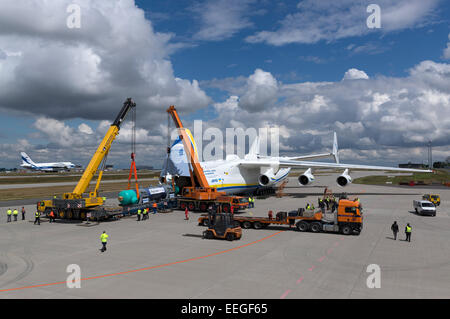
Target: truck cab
(424, 207)
(349, 217)
(434, 198)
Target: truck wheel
(203, 207)
(205, 222)
(183, 205)
(230, 237)
(226, 208)
(346, 230)
(257, 225)
(246, 225)
(208, 234)
(191, 206)
(302, 226)
(316, 227)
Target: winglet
(335, 149)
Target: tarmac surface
(165, 256)
(34, 185)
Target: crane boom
(100, 153)
(192, 156)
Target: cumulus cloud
(446, 54)
(91, 70)
(330, 20)
(221, 19)
(261, 91)
(379, 120)
(355, 74)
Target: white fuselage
(230, 177)
(49, 166)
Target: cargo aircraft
(28, 163)
(255, 173)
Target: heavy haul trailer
(77, 206)
(347, 219)
(163, 196)
(224, 202)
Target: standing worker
(408, 230)
(9, 212)
(15, 213)
(37, 217)
(23, 213)
(155, 207)
(145, 213)
(394, 229)
(186, 214)
(138, 215)
(270, 215)
(52, 216)
(104, 239)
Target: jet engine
(267, 179)
(306, 178)
(344, 179)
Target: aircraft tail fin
(26, 159)
(253, 152)
(335, 149)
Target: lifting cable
(133, 152)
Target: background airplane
(254, 172)
(28, 163)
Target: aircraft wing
(306, 157)
(306, 164)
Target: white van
(424, 207)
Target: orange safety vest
(154, 205)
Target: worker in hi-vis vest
(408, 230)
(37, 218)
(138, 215)
(9, 213)
(15, 213)
(104, 239)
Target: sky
(307, 67)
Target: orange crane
(200, 189)
(199, 195)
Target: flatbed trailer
(224, 202)
(347, 219)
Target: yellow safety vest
(9, 212)
(139, 212)
(37, 214)
(104, 237)
(408, 229)
(15, 212)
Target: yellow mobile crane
(74, 205)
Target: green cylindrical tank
(128, 197)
